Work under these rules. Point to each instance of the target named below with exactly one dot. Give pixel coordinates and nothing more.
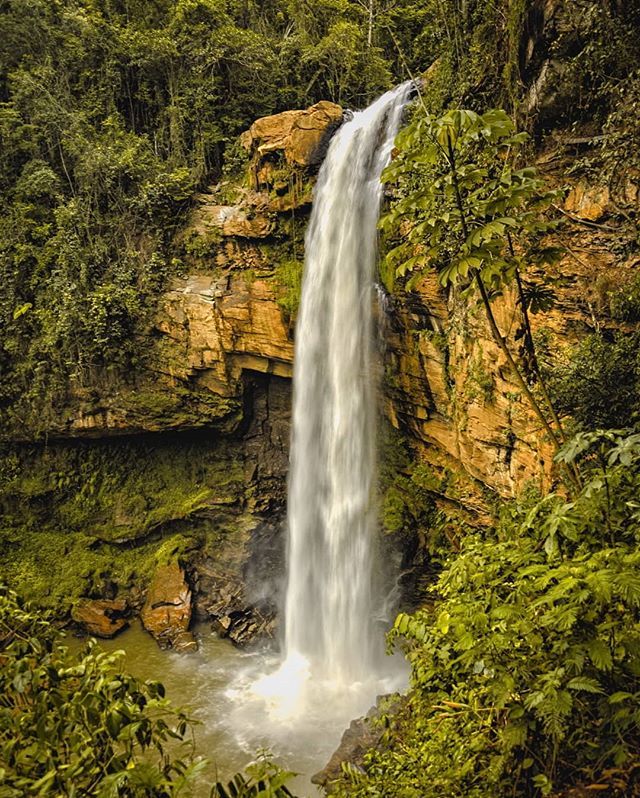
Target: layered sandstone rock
(167, 611)
(215, 328)
(449, 387)
(101, 617)
(210, 332)
(298, 135)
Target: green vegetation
(77, 517)
(263, 779)
(75, 724)
(475, 49)
(526, 669)
(597, 382)
(288, 276)
(489, 54)
(468, 212)
(112, 114)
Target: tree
(470, 214)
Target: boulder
(299, 135)
(238, 619)
(245, 625)
(101, 617)
(167, 611)
(588, 202)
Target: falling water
(331, 512)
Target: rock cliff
(220, 351)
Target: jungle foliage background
(112, 114)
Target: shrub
(78, 725)
(525, 672)
(599, 384)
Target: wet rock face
(101, 617)
(356, 741)
(240, 595)
(238, 585)
(362, 735)
(167, 611)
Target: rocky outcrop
(167, 611)
(298, 136)
(216, 328)
(362, 735)
(448, 385)
(239, 595)
(101, 617)
(210, 332)
(239, 221)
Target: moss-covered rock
(94, 519)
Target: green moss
(406, 499)
(177, 547)
(152, 403)
(480, 383)
(202, 246)
(179, 406)
(624, 301)
(440, 339)
(394, 510)
(75, 516)
(288, 276)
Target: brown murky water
(245, 701)
(214, 684)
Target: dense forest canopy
(111, 115)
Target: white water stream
(333, 646)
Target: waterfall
(330, 601)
